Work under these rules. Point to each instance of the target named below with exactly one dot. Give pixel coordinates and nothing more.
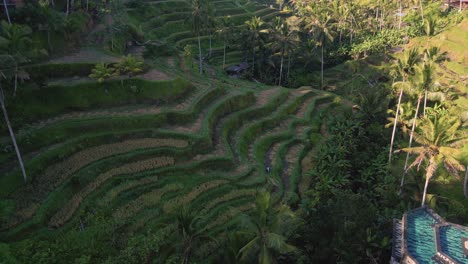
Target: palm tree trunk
(465, 191)
(399, 17)
(253, 60)
(289, 66)
(460, 8)
(68, 7)
(12, 135)
(224, 53)
(48, 40)
(281, 68)
(321, 74)
(425, 101)
(422, 10)
(87, 5)
(209, 52)
(199, 55)
(6, 11)
(425, 190)
(394, 127)
(410, 142)
(16, 82)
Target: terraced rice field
(139, 161)
(209, 150)
(172, 26)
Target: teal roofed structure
(422, 236)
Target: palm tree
(439, 140)
(323, 32)
(15, 40)
(420, 83)
(224, 32)
(285, 41)
(267, 228)
(404, 118)
(404, 68)
(255, 32)
(197, 21)
(6, 11)
(190, 232)
(10, 130)
(432, 55)
(210, 22)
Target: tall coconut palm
(322, 31)
(10, 130)
(224, 31)
(440, 140)
(285, 40)
(432, 55)
(266, 227)
(419, 83)
(404, 68)
(210, 22)
(255, 32)
(197, 21)
(190, 232)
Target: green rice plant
(34, 104)
(67, 211)
(227, 197)
(230, 214)
(184, 200)
(151, 198)
(251, 132)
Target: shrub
(102, 72)
(130, 65)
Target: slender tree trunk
(341, 32)
(253, 60)
(12, 135)
(6, 11)
(422, 10)
(321, 74)
(460, 8)
(68, 7)
(224, 54)
(410, 141)
(87, 5)
(399, 17)
(199, 54)
(425, 190)
(425, 101)
(16, 82)
(289, 66)
(48, 40)
(209, 52)
(281, 68)
(394, 127)
(465, 191)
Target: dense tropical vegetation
(125, 141)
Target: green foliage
(129, 65)
(31, 104)
(102, 72)
(372, 44)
